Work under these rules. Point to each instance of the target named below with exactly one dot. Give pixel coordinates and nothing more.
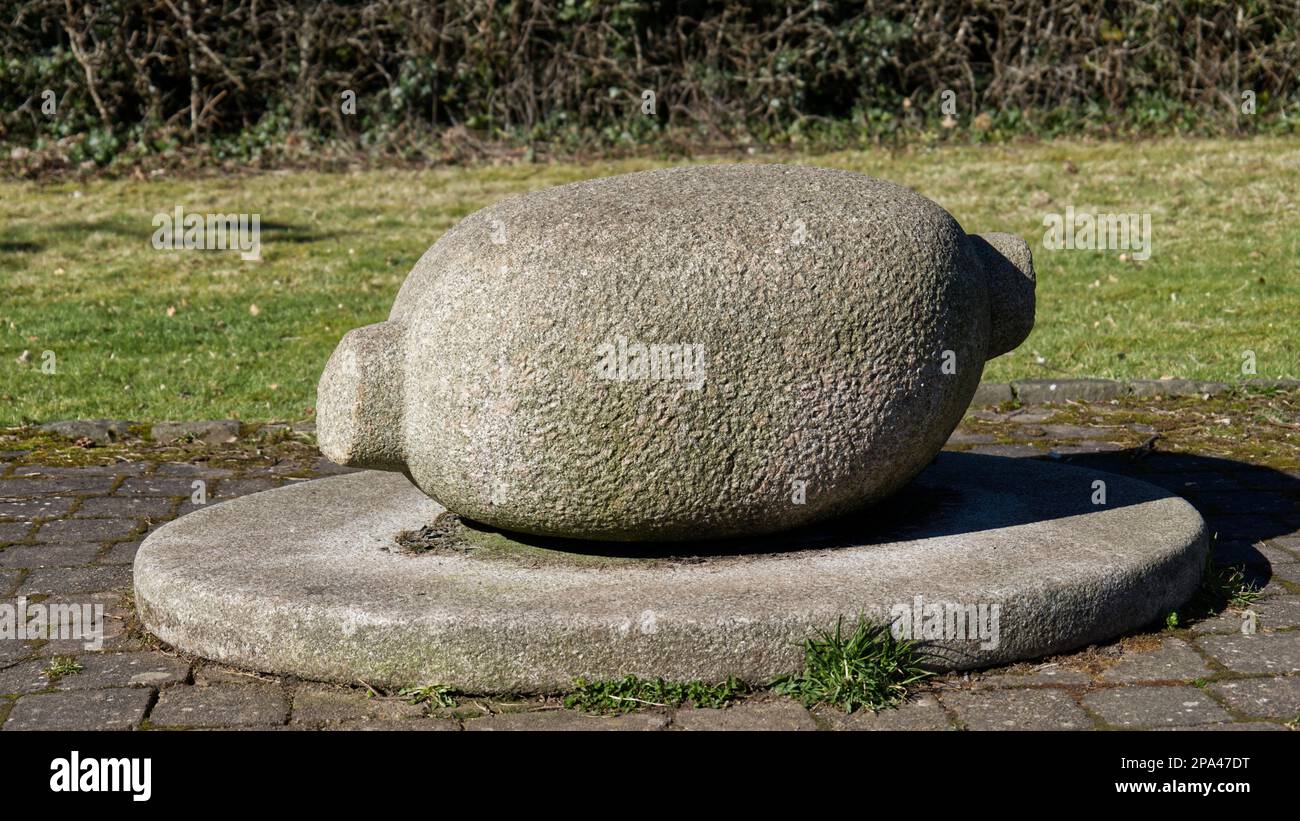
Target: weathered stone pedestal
(311, 580)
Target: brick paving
(69, 535)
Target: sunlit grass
(144, 334)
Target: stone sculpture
(675, 355)
(687, 353)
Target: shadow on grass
(295, 234)
(143, 230)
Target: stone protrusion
(359, 400)
(1009, 268)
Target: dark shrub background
(238, 78)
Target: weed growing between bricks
(868, 667)
(631, 693)
(1223, 587)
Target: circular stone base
(989, 560)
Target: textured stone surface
(1228, 621)
(146, 486)
(1270, 384)
(1240, 726)
(1044, 677)
(568, 720)
(186, 470)
(1151, 388)
(1029, 417)
(1261, 653)
(13, 650)
(1070, 432)
(776, 714)
(220, 706)
(111, 507)
(1175, 660)
(1012, 451)
(213, 432)
(52, 484)
(48, 555)
(960, 437)
(99, 431)
(24, 677)
(992, 393)
(121, 553)
(1155, 707)
(920, 713)
(209, 673)
(125, 670)
(14, 531)
(1291, 544)
(1290, 572)
(1278, 611)
(1084, 447)
(41, 507)
(67, 475)
(232, 488)
(1046, 391)
(86, 530)
(388, 726)
(75, 580)
(816, 304)
(1038, 709)
(116, 614)
(1262, 697)
(112, 709)
(307, 581)
(319, 705)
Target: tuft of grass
(1230, 584)
(61, 666)
(1223, 587)
(630, 692)
(868, 668)
(434, 695)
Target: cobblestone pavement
(69, 534)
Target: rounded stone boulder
(677, 354)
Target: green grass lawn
(144, 334)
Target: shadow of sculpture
(1243, 504)
(968, 492)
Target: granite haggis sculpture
(679, 354)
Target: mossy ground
(32, 446)
(1258, 427)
